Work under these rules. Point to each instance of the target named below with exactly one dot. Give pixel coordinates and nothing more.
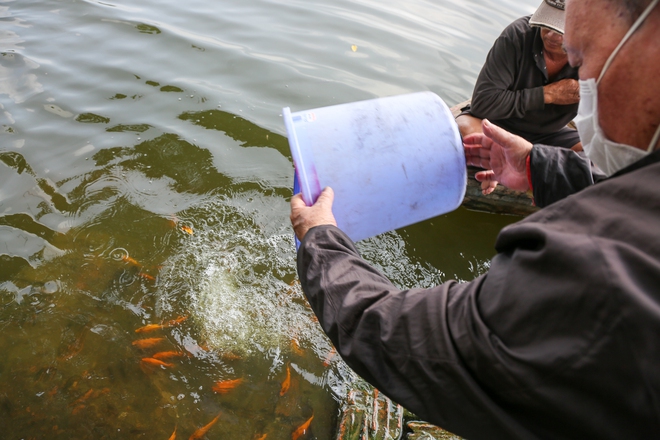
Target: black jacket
(558, 172)
(559, 340)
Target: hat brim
(549, 17)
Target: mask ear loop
(655, 140)
(626, 37)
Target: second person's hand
(503, 155)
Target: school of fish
(165, 359)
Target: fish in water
(79, 403)
(187, 230)
(84, 398)
(148, 342)
(223, 387)
(287, 382)
(76, 346)
(177, 321)
(146, 276)
(302, 429)
(153, 327)
(201, 432)
(263, 437)
(156, 362)
(148, 328)
(331, 355)
(130, 260)
(168, 355)
(148, 365)
(173, 436)
(54, 391)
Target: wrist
(547, 95)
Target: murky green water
(144, 176)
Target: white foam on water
(233, 271)
(240, 317)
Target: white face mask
(609, 156)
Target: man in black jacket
(560, 338)
(526, 85)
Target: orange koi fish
(148, 328)
(301, 429)
(330, 357)
(223, 387)
(147, 343)
(130, 260)
(287, 382)
(187, 230)
(176, 321)
(201, 432)
(173, 436)
(52, 392)
(76, 346)
(156, 363)
(79, 404)
(263, 437)
(146, 276)
(168, 355)
(152, 327)
(84, 398)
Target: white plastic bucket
(391, 161)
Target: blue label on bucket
(296, 190)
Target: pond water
(145, 179)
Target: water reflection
(245, 132)
(128, 259)
(16, 79)
(262, 157)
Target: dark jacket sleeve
(399, 341)
(493, 96)
(559, 172)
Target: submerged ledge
(367, 414)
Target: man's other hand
(502, 154)
(564, 92)
(304, 218)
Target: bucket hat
(550, 15)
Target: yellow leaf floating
(354, 48)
